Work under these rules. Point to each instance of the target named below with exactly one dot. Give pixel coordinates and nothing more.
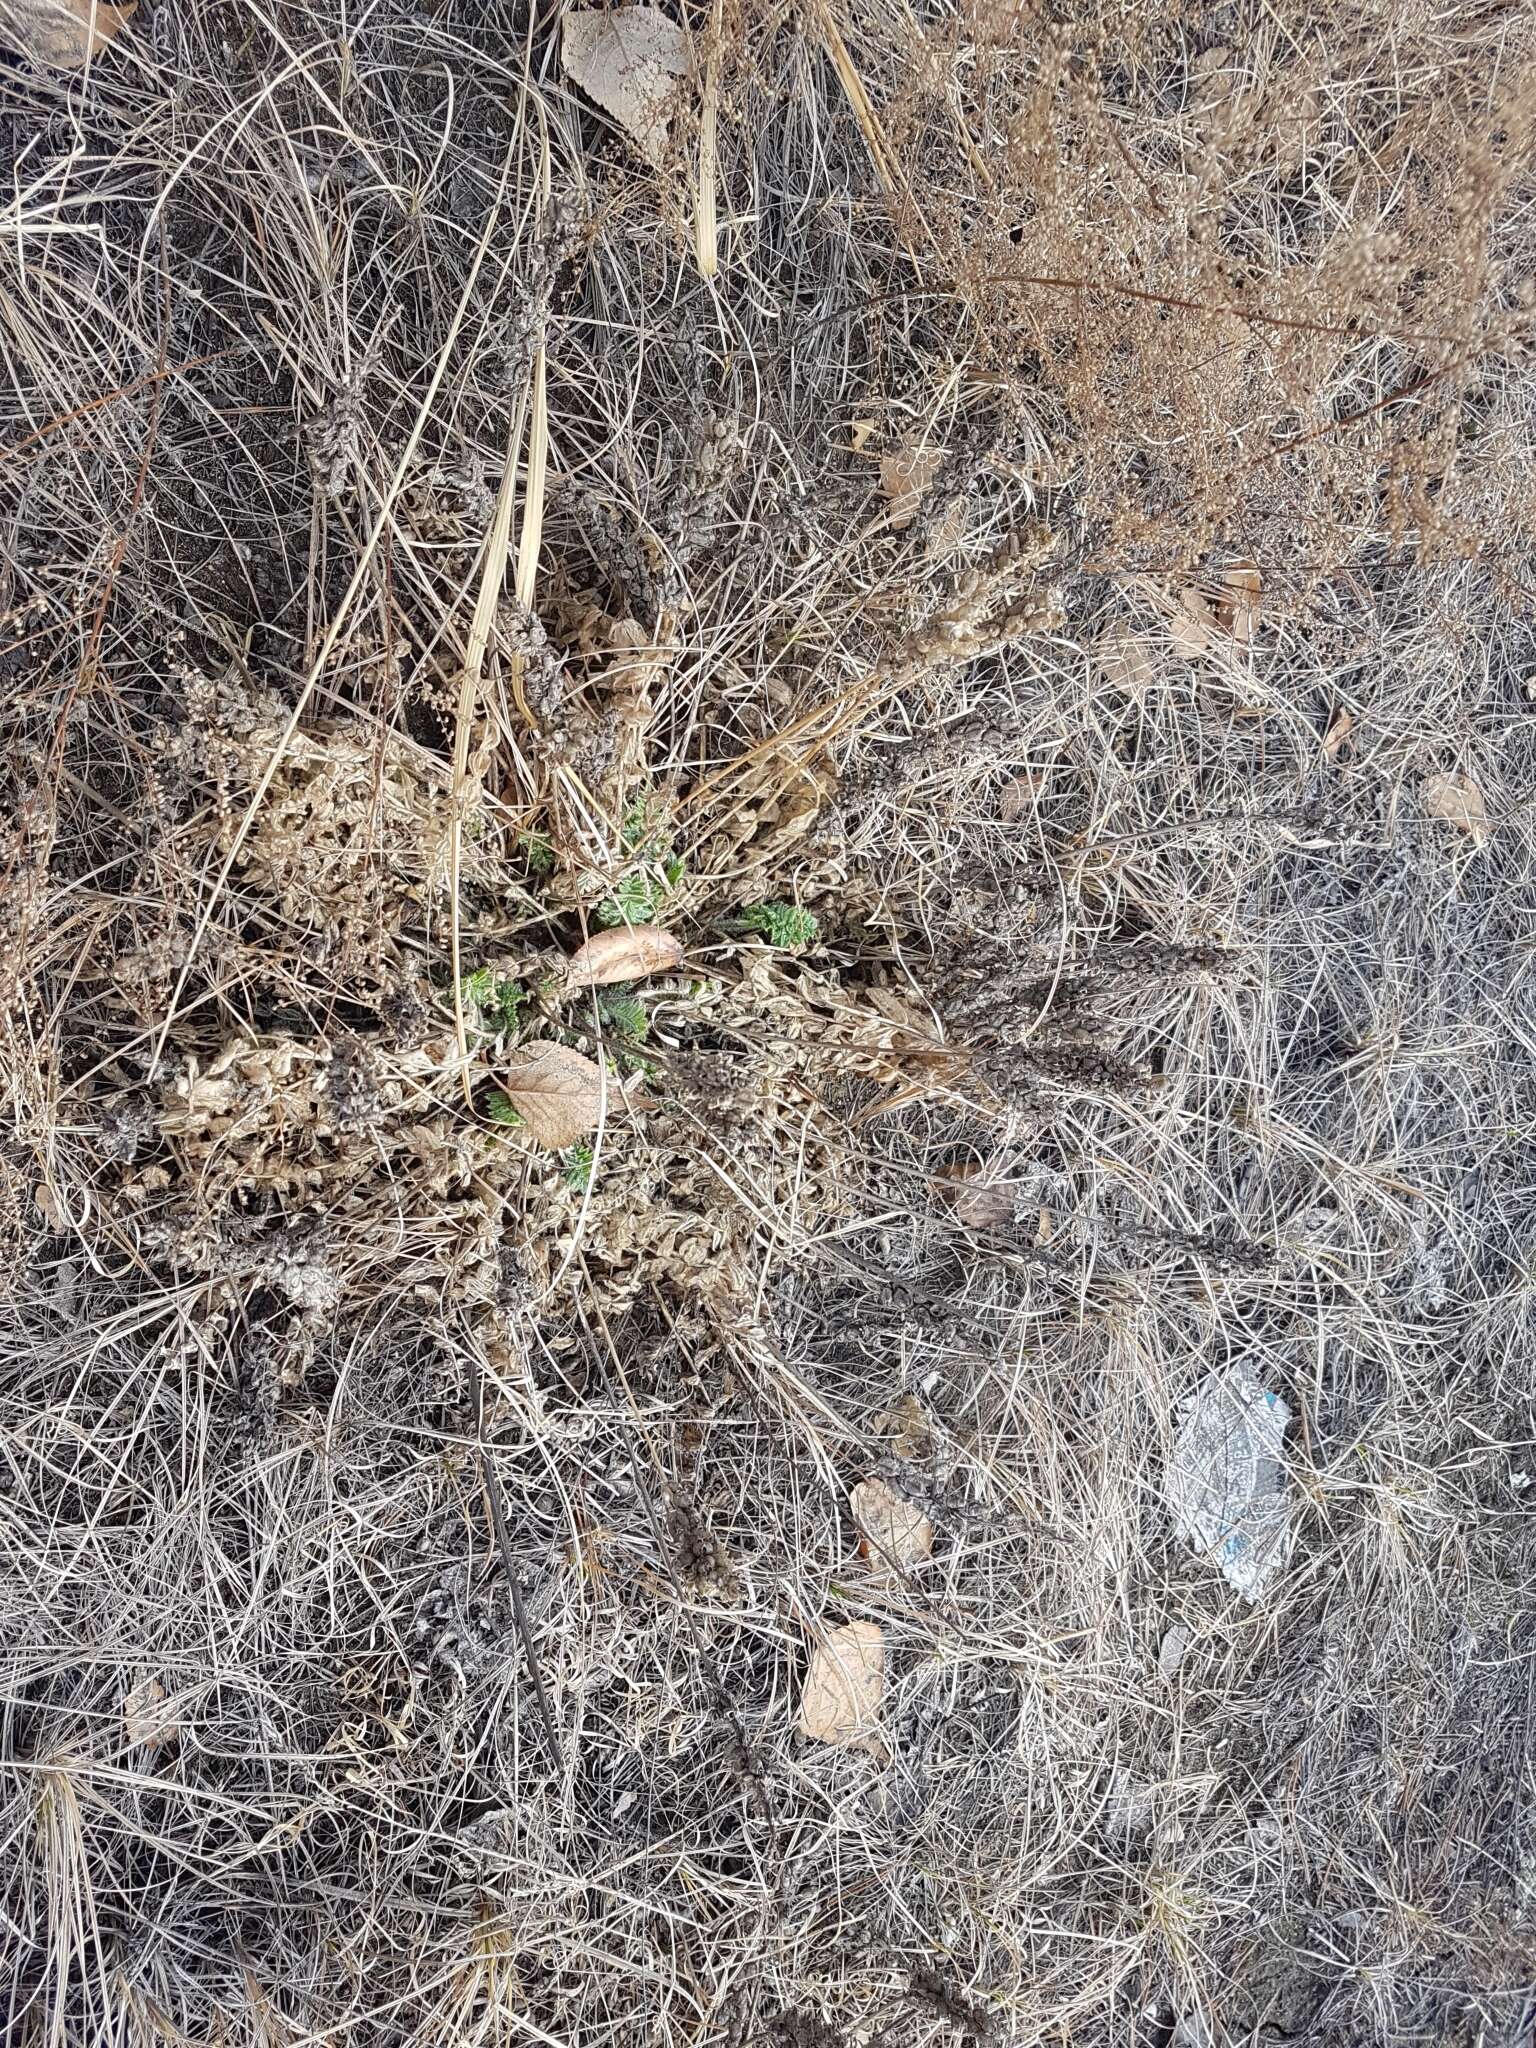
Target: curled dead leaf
(863, 433)
(979, 1202)
(893, 1530)
(1457, 799)
(840, 1702)
(1126, 659)
(907, 1426)
(1204, 622)
(1018, 796)
(904, 477)
(1193, 626)
(1237, 602)
(1336, 740)
(627, 953)
(145, 1717)
(557, 1091)
(899, 1010)
(63, 33)
(629, 62)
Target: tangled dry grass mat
(768, 1185)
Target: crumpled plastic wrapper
(1226, 1483)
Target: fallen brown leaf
(144, 1717)
(627, 953)
(63, 33)
(840, 1702)
(1237, 604)
(1018, 796)
(1336, 740)
(1126, 659)
(979, 1203)
(1457, 799)
(904, 477)
(894, 1530)
(907, 1425)
(557, 1091)
(1193, 626)
(629, 62)
(898, 1010)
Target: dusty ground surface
(1000, 540)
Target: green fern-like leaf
(781, 924)
(496, 996)
(625, 1013)
(576, 1164)
(636, 900)
(537, 851)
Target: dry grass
(431, 537)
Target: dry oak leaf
(62, 33)
(627, 953)
(557, 1092)
(1457, 799)
(629, 62)
(904, 477)
(840, 1702)
(893, 1530)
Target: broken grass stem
(504, 1545)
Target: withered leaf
(1237, 602)
(557, 1091)
(627, 953)
(145, 1718)
(1017, 796)
(1193, 626)
(840, 1702)
(629, 62)
(904, 477)
(63, 33)
(1337, 739)
(894, 1530)
(906, 1424)
(977, 1201)
(1126, 659)
(1457, 799)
